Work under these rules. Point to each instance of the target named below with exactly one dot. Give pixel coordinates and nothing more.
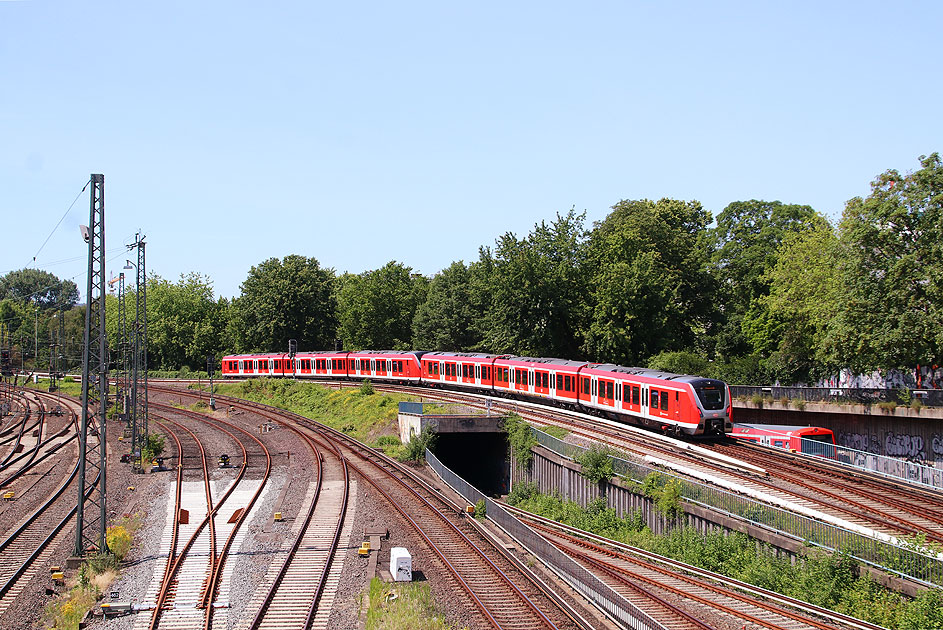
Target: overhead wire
(60, 222)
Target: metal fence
(905, 560)
(594, 589)
(892, 467)
(858, 395)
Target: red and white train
(809, 440)
(672, 403)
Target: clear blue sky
(359, 133)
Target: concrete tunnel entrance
(481, 459)
(472, 445)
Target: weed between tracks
(402, 606)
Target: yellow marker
(278, 516)
(58, 576)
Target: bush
(153, 446)
(596, 463)
(415, 450)
(366, 388)
(521, 492)
(799, 404)
(118, 539)
(481, 509)
(522, 440)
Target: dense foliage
(772, 291)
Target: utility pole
(121, 379)
(90, 525)
(139, 372)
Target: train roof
(461, 355)
(548, 361)
(396, 353)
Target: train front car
(672, 403)
(712, 398)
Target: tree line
(767, 292)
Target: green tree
(183, 322)
(32, 286)
(746, 242)
(791, 325)
(446, 320)
(892, 272)
(292, 298)
(376, 308)
(680, 362)
(650, 289)
(535, 289)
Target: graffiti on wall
(925, 377)
(860, 442)
(936, 445)
(909, 447)
(914, 448)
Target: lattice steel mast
(139, 378)
(90, 524)
(122, 394)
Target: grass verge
(403, 606)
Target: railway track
(499, 593)
(652, 581)
(905, 507)
(40, 523)
(185, 595)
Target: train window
(436, 368)
(664, 401)
(566, 383)
(609, 393)
(635, 394)
(654, 399)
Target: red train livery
(809, 440)
(672, 403)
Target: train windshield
(818, 445)
(711, 394)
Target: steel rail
(362, 451)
